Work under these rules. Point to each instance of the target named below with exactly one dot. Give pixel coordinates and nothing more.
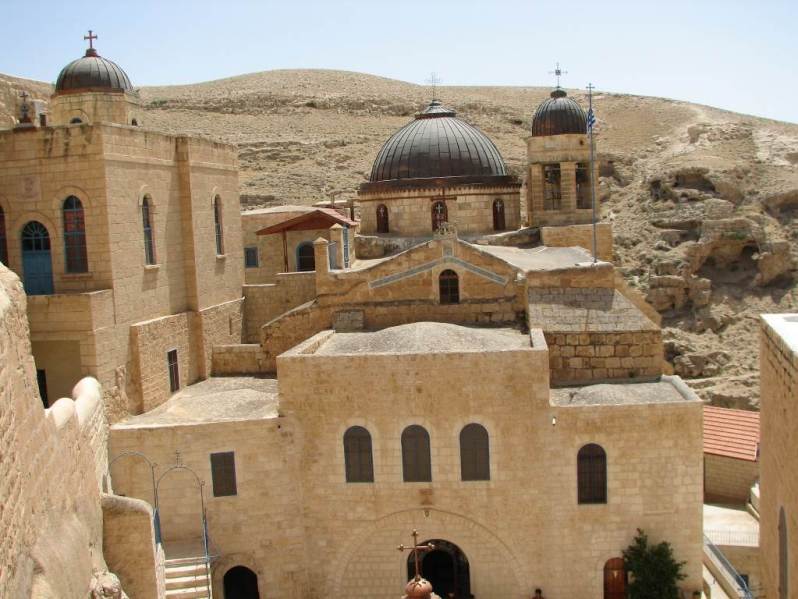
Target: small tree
(655, 572)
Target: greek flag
(591, 120)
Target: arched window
(416, 464)
(439, 214)
(498, 215)
(591, 473)
(134, 122)
(357, 455)
(3, 243)
(784, 569)
(74, 236)
(75, 121)
(146, 224)
(615, 579)
(305, 257)
(36, 262)
(449, 287)
(217, 225)
(382, 219)
(240, 583)
(474, 453)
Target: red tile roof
(316, 219)
(731, 433)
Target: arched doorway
(37, 262)
(305, 257)
(446, 567)
(440, 214)
(383, 225)
(615, 579)
(240, 583)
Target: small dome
(92, 72)
(434, 145)
(559, 115)
(418, 588)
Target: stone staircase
(187, 578)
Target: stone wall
(469, 208)
(654, 470)
(778, 358)
(580, 236)
(264, 303)
(728, 480)
(53, 463)
(95, 107)
(130, 549)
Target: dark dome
(436, 144)
(92, 72)
(558, 115)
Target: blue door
(36, 260)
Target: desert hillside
(704, 202)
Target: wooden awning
(321, 218)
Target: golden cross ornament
(414, 550)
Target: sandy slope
(305, 133)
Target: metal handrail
(742, 588)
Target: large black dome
(436, 145)
(92, 72)
(559, 115)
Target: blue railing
(743, 592)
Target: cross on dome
(91, 37)
(434, 81)
(558, 72)
(414, 549)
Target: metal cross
(558, 72)
(439, 209)
(414, 549)
(24, 95)
(434, 81)
(91, 39)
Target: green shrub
(654, 571)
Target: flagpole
(592, 168)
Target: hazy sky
(739, 55)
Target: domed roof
(435, 145)
(559, 115)
(92, 72)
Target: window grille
(449, 285)
(74, 236)
(358, 455)
(416, 463)
(223, 473)
(592, 474)
(251, 257)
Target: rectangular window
(174, 370)
(41, 379)
(346, 247)
(583, 198)
(552, 190)
(223, 473)
(251, 257)
(333, 252)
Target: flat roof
(217, 399)
(669, 389)
(424, 337)
(541, 257)
(731, 433)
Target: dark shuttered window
(358, 456)
(217, 225)
(591, 472)
(474, 453)
(174, 370)
(75, 236)
(416, 464)
(146, 224)
(449, 286)
(223, 473)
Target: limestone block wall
(130, 549)
(217, 325)
(654, 473)
(580, 236)
(260, 527)
(271, 260)
(469, 207)
(728, 480)
(50, 470)
(264, 303)
(150, 342)
(95, 107)
(778, 358)
(39, 169)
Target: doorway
(615, 579)
(446, 568)
(37, 263)
(241, 583)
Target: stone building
(438, 169)
(558, 167)
(127, 240)
(731, 454)
(778, 359)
